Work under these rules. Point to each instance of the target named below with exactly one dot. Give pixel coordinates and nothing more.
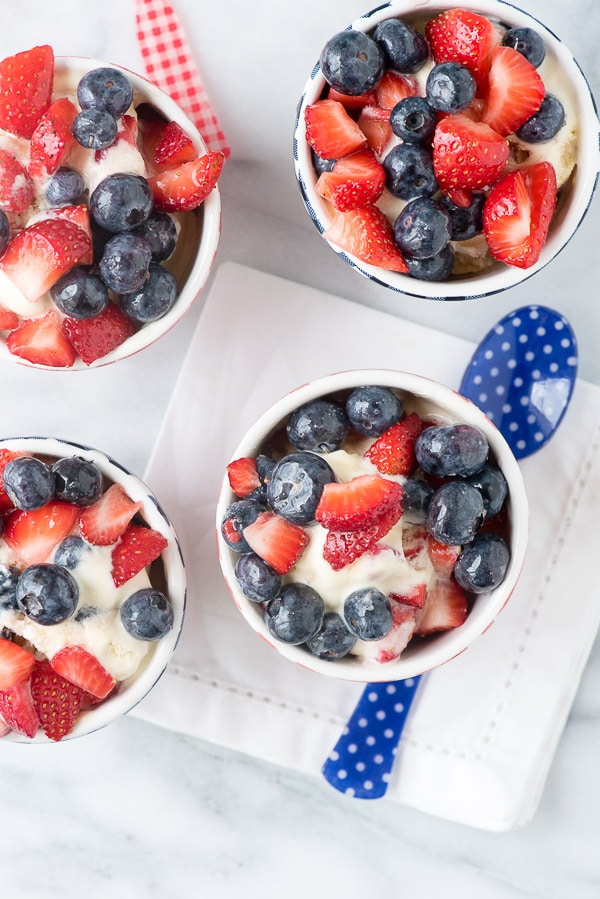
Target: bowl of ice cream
(111, 213)
(371, 525)
(446, 153)
(92, 590)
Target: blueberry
(333, 640)
(372, 410)
(409, 171)
(450, 87)
(422, 229)
(433, 268)
(160, 231)
(147, 614)
(47, 593)
(465, 221)
(296, 485)
(153, 299)
(77, 481)
(368, 613)
(319, 426)
(64, 187)
(85, 612)
(482, 564)
(405, 50)
(28, 482)
(121, 202)
(4, 231)
(105, 88)
(493, 487)
(545, 123)
(8, 587)
(94, 129)
(258, 581)
(70, 552)
(415, 500)
(296, 614)
(455, 513)
(237, 517)
(528, 43)
(413, 120)
(80, 294)
(125, 263)
(452, 449)
(322, 165)
(352, 63)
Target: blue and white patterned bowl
(574, 199)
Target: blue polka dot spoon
(522, 376)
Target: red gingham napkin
(170, 65)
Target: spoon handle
(361, 761)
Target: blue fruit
(8, 587)
(64, 187)
(70, 552)
(77, 481)
(296, 614)
(415, 500)
(448, 450)
(422, 229)
(257, 580)
(433, 268)
(47, 593)
(450, 87)
(4, 231)
(409, 171)
(465, 221)
(352, 63)
(413, 120)
(238, 516)
(482, 564)
(528, 43)
(545, 123)
(296, 484)
(94, 129)
(28, 482)
(153, 299)
(105, 88)
(368, 613)
(125, 263)
(493, 487)
(372, 410)
(80, 294)
(455, 513)
(121, 202)
(85, 612)
(160, 231)
(147, 614)
(322, 165)
(318, 426)
(405, 50)
(333, 640)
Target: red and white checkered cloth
(170, 65)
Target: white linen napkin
(483, 729)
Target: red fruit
(16, 187)
(138, 547)
(467, 154)
(366, 234)
(79, 667)
(359, 503)
(95, 337)
(341, 548)
(465, 37)
(52, 139)
(40, 254)
(5, 457)
(278, 542)
(414, 545)
(16, 664)
(394, 87)
(445, 607)
(413, 596)
(330, 131)
(352, 102)
(518, 212)
(174, 147)
(56, 700)
(443, 557)
(34, 535)
(25, 89)
(8, 319)
(127, 132)
(188, 185)
(80, 216)
(374, 123)
(515, 91)
(395, 641)
(355, 181)
(103, 522)
(42, 342)
(243, 476)
(17, 709)
(394, 451)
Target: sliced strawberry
(366, 234)
(357, 504)
(95, 337)
(6, 456)
(445, 607)
(414, 545)
(443, 557)
(25, 89)
(17, 709)
(462, 36)
(103, 522)
(352, 102)
(514, 93)
(394, 451)
(374, 122)
(81, 668)
(355, 181)
(518, 212)
(174, 147)
(396, 640)
(330, 131)
(80, 216)
(278, 542)
(411, 596)
(394, 87)
(187, 186)
(341, 547)
(42, 342)
(16, 664)
(138, 546)
(467, 154)
(52, 139)
(16, 187)
(243, 476)
(57, 701)
(35, 534)
(9, 320)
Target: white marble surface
(136, 810)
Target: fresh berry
(409, 171)
(28, 482)
(352, 62)
(374, 123)
(331, 132)
(17, 709)
(5, 457)
(482, 564)
(94, 129)
(257, 580)
(278, 541)
(9, 576)
(9, 320)
(296, 485)
(47, 593)
(69, 553)
(492, 484)
(451, 449)
(4, 239)
(393, 88)
(372, 409)
(422, 229)
(414, 596)
(357, 504)
(356, 180)
(352, 102)
(121, 202)
(26, 81)
(467, 154)
(515, 91)
(80, 294)
(153, 299)
(137, 547)
(368, 614)
(77, 481)
(443, 556)
(404, 48)
(396, 640)
(160, 231)
(105, 88)
(42, 342)
(333, 640)
(52, 139)
(432, 268)
(455, 513)
(527, 42)
(319, 426)
(56, 700)
(296, 614)
(450, 87)
(79, 215)
(94, 338)
(413, 120)
(147, 615)
(465, 221)
(65, 186)
(366, 234)
(343, 547)
(103, 522)
(187, 186)
(237, 517)
(16, 187)
(174, 147)
(34, 535)
(81, 668)
(16, 664)
(445, 607)
(394, 451)
(125, 262)
(545, 123)
(243, 476)
(462, 36)
(415, 500)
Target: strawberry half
(355, 181)
(33, 535)
(359, 503)
(138, 547)
(104, 521)
(374, 122)
(52, 139)
(462, 36)
(25, 89)
(467, 154)
(243, 476)
(515, 91)
(95, 337)
(394, 87)
(445, 607)
(57, 701)
(343, 547)
(16, 664)
(394, 451)
(42, 342)
(278, 542)
(174, 147)
(518, 212)
(81, 668)
(330, 131)
(17, 709)
(80, 216)
(16, 187)
(187, 186)
(366, 234)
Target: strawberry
(25, 89)
(342, 547)
(394, 451)
(81, 668)
(37, 256)
(394, 87)
(9, 320)
(16, 187)
(80, 216)
(104, 521)
(16, 664)
(42, 342)
(413, 596)
(517, 214)
(443, 557)
(445, 607)
(127, 131)
(243, 476)
(462, 36)
(359, 503)
(17, 709)
(395, 641)
(95, 337)
(52, 139)
(33, 535)
(359, 101)
(278, 542)
(467, 154)
(138, 546)
(5, 457)
(414, 546)
(366, 234)
(56, 700)
(174, 147)
(188, 185)
(330, 131)
(514, 93)
(374, 122)
(356, 180)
